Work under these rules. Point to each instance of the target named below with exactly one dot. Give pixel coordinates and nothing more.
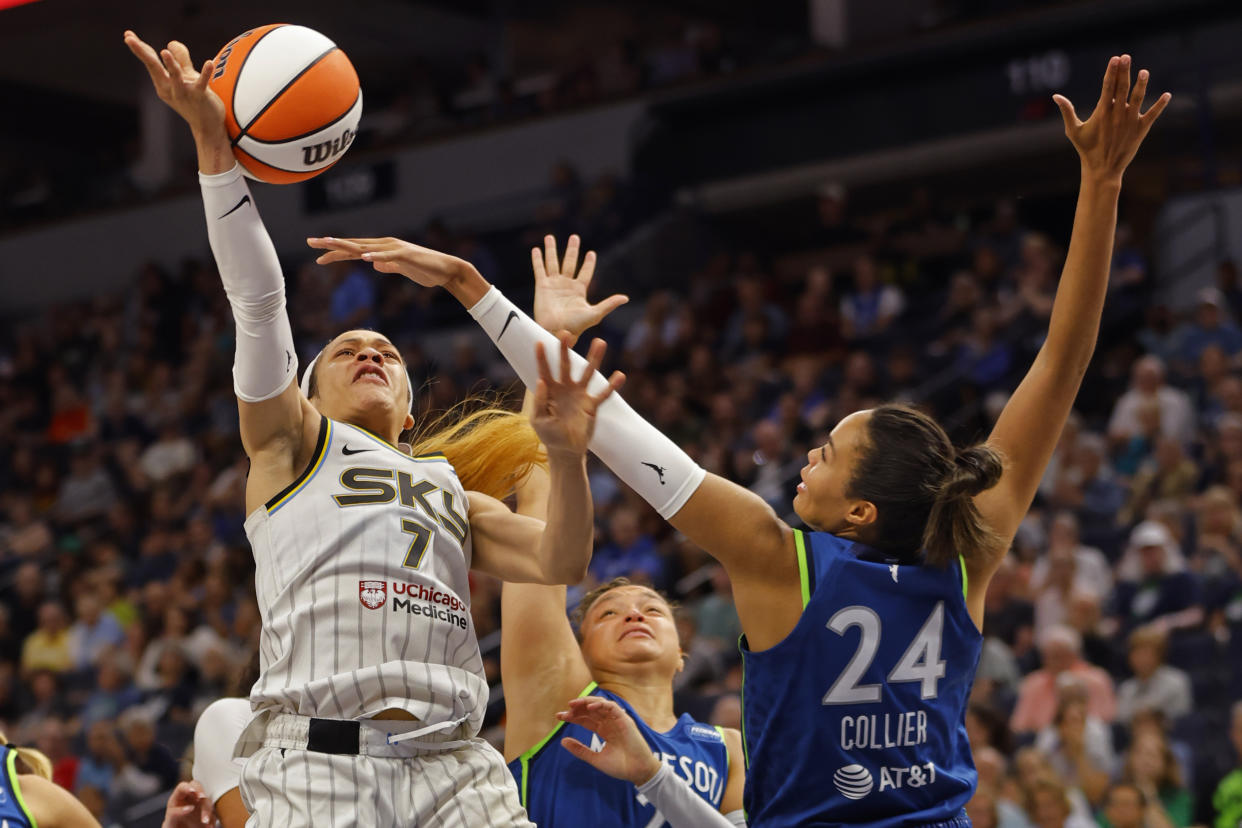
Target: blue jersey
(559, 789)
(13, 813)
(858, 716)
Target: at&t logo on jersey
(856, 782)
(853, 781)
(372, 594)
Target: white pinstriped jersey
(361, 574)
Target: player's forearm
(250, 272)
(1079, 302)
(469, 286)
(531, 492)
(636, 451)
(569, 531)
(680, 806)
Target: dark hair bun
(975, 469)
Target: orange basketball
(292, 101)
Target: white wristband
(680, 806)
(646, 460)
(265, 360)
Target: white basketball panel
(278, 58)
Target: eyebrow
(383, 343)
(831, 445)
(651, 596)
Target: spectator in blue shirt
(631, 553)
(1210, 326)
(95, 631)
(104, 755)
(1154, 587)
(114, 693)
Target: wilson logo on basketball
(324, 150)
(222, 59)
(372, 594)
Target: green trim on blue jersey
(526, 757)
(728, 758)
(965, 578)
(10, 767)
(803, 574)
(745, 747)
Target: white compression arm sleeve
(265, 361)
(646, 460)
(680, 806)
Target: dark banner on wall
(356, 185)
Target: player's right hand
(561, 289)
(188, 807)
(625, 755)
(421, 265)
(563, 410)
(179, 85)
(1107, 141)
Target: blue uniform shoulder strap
(526, 758)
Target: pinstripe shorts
(466, 786)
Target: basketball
(292, 101)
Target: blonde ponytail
(491, 448)
(35, 761)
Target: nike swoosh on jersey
(510, 318)
(245, 200)
(346, 450)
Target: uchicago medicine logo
(372, 594)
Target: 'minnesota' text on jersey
(361, 574)
(561, 790)
(858, 716)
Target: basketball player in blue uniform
(862, 636)
(590, 732)
(29, 797)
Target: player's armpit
(758, 550)
(52, 805)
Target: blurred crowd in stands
(1109, 686)
(543, 61)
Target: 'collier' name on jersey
(887, 730)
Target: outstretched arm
(541, 665)
(756, 547)
(278, 425)
(564, 418)
(1030, 425)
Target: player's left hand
(561, 289)
(421, 265)
(564, 410)
(626, 755)
(188, 807)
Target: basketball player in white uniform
(368, 652)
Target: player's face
(820, 500)
(628, 627)
(360, 373)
